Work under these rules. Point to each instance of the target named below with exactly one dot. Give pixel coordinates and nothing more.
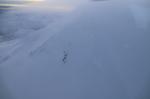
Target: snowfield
(95, 50)
(19, 25)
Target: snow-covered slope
(96, 52)
(18, 25)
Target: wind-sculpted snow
(97, 51)
(19, 25)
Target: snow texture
(99, 50)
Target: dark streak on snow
(3, 59)
(65, 57)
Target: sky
(4, 4)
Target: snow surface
(96, 51)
